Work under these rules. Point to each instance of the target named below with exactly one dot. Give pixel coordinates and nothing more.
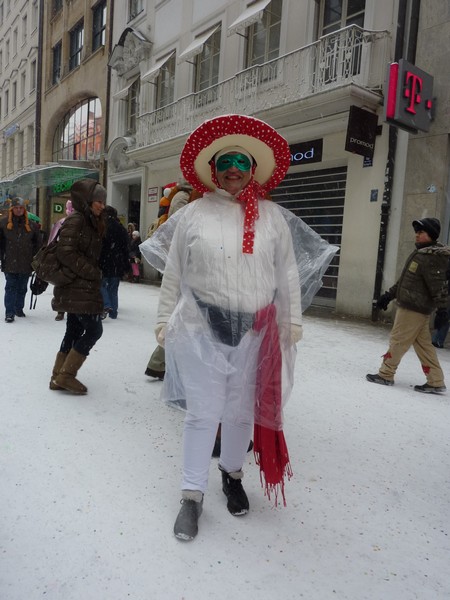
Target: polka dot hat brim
(269, 149)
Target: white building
(19, 56)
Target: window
(23, 82)
(30, 144)
(14, 95)
(11, 151)
(133, 105)
(263, 41)
(1, 12)
(79, 134)
(24, 29)
(34, 15)
(135, 6)
(33, 76)
(340, 53)
(3, 160)
(15, 41)
(56, 63)
(99, 25)
(57, 6)
(20, 150)
(165, 83)
(207, 63)
(337, 14)
(6, 102)
(76, 45)
(1, 61)
(7, 52)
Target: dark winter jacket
(422, 286)
(114, 255)
(17, 245)
(79, 246)
(134, 251)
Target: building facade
(19, 58)
(300, 66)
(75, 90)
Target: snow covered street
(89, 485)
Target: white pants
(216, 395)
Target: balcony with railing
(349, 56)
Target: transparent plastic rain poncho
(212, 293)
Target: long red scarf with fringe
(271, 453)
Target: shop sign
(306, 152)
(361, 132)
(11, 130)
(58, 208)
(152, 194)
(409, 97)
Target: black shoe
(9, 318)
(377, 379)
(437, 345)
(186, 524)
(20, 313)
(430, 389)
(59, 316)
(157, 374)
(104, 314)
(237, 498)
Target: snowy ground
(89, 485)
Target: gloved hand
(160, 333)
(383, 301)
(296, 333)
(441, 318)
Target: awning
(46, 176)
(154, 71)
(252, 14)
(123, 93)
(196, 46)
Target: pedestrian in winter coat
(113, 261)
(79, 247)
(19, 241)
(230, 301)
(441, 327)
(53, 234)
(421, 288)
(135, 255)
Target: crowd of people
(231, 301)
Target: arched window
(79, 134)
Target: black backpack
(37, 287)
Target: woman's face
(233, 180)
(97, 207)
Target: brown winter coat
(79, 246)
(18, 245)
(422, 286)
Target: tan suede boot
(60, 358)
(66, 378)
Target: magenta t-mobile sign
(409, 97)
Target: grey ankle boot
(186, 524)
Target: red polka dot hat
(269, 149)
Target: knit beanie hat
(17, 201)
(430, 225)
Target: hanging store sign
(361, 132)
(306, 152)
(409, 97)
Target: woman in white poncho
(230, 311)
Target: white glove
(160, 333)
(296, 333)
